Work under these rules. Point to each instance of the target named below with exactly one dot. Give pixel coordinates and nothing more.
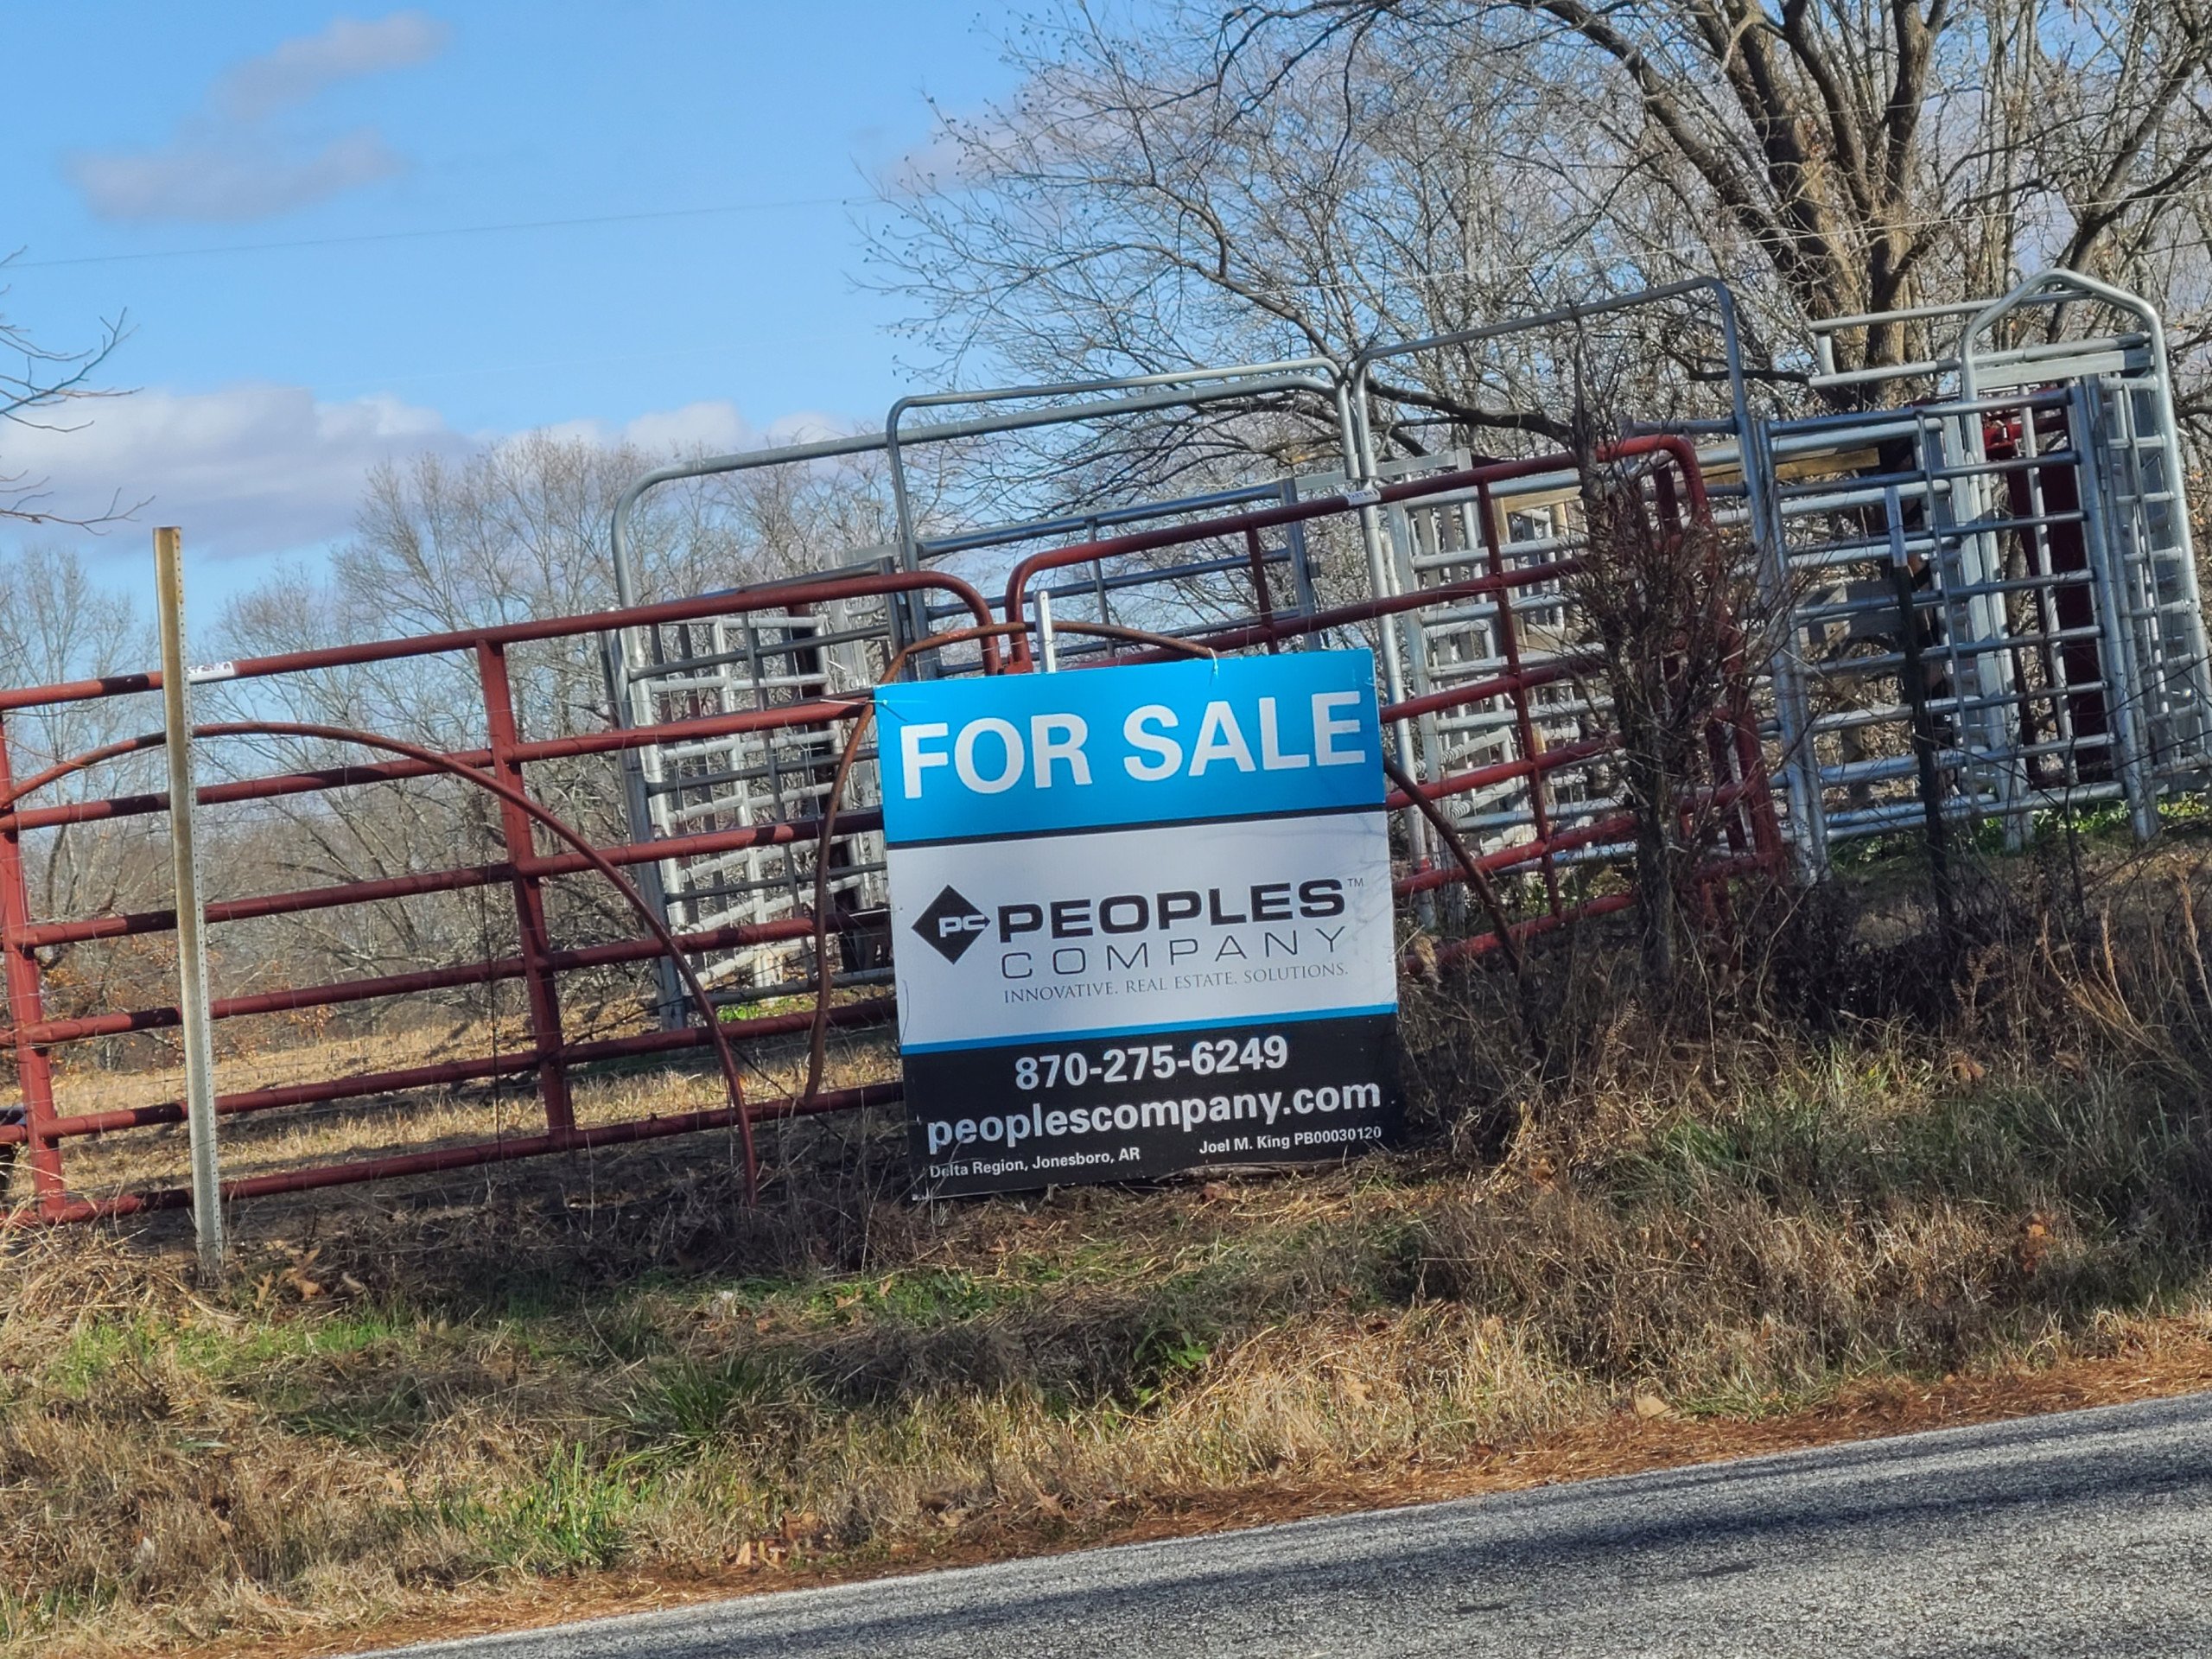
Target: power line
(442, 231)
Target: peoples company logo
(952, 923)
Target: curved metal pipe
(1382, 606)
(1294, 374)
(724, 1054)
(1361, 372)
(1316, 374)
(1792, 713)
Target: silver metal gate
(2053, 594)
(751, 779)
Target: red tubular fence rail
(523, 870)
(783, 596)
(1731, 733)
(501, 765)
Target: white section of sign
(1135, 929)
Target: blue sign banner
(1183, 742)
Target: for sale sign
(1143, 919)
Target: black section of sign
(1052, 1112)
(951, 924)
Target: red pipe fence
(1736, 797)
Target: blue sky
(158, 151)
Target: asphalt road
(2087, 1533)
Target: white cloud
(228, 183)
(715, 428)
(251, 468)
(299, 68)
(942, 161)
(233, 165)
(709, 428)
(258, 469)
(963, 152)
(808, 426)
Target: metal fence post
(538, 976)
(26, 1008)
(191, 914)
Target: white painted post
(1044, 635)
(191, 913)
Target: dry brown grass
(260, 1143)
(413, 1397)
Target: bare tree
(1677, 616)
(38, 395)
(515, 532)
(1316, 175)
(57, 624)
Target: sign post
(191, 913)
(1144, 920)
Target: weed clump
(1723, 1205)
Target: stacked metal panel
(2049, 585)
(781, 775)
(2003, 565)
(1533, 525)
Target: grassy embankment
(421, 1400)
